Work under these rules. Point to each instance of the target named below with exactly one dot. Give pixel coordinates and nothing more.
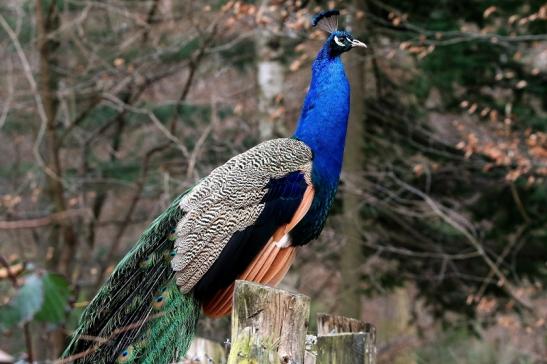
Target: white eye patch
(339, 42)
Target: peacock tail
(139, 314)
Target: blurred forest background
(109, 109)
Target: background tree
(351, 254)
(110, 109)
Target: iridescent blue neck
(324, 118)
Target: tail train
(139, 315)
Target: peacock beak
(357, 43)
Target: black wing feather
(280, 203)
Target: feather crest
(327, 20)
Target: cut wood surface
(342, 340)
(333, 324)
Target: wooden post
(268, 325)
(310, 355)
(334, 324)
(205, 351)
(345, 348)
(342, 340)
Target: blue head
(323, 121)
(339, 41)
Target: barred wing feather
(233, 215)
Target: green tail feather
(139, 315)
(169, 332)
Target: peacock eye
(340, 41)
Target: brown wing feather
(263, 260)
(284, 261)
(260, 271)
(269, 266)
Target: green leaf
(23, 306)
(56, 293)
(29, 298)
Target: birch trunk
(270, 70)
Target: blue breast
(322, 126)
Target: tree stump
(342, 340)
(268, 325)
(343, 348)
(334, 324)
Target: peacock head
(339, 41)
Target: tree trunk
(62, 240)
(351, 255)
(270, 70)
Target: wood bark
(268, 325)
(334, 324)
(351, 256)
(344, 348)
(62, 240)
(48, 20)
(342, 340)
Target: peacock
(243, 221)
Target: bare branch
(9, 98)
(54, 218)
(37, 98)
(502, 279)
(157, 123)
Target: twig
(9, 97)
(203, 137)
(37, 98)
(458, 36)
(103, 340)
(153, 118)
(28, 342)
(54, 218)
(194, 64)
(10, 274)
(519, 204)
(72, 23)
(504, 282)
(132, 205)
(512, 242)
(111, 7)
(149, 18)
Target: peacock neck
(324, 117)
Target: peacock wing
(269, 266)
